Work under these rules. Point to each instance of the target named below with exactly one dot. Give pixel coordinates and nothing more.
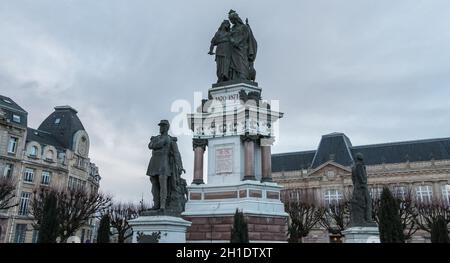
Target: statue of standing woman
(236, 49)
(223, 51)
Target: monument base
(211, 210)
(362, 235)
(159, 229)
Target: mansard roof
(43, 138)
(9, 109)
(292, 161)
(63, 123)
(8, 103)
(334, 146)
(337, 146)
(398, 152)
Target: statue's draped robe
(223, 54)
(243, 51)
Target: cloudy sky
(379, 71)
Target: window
(80, 162)
(57, 121)
(333, 196)
(12, 145)
(375, 192)
(399, 192)
(424, 193)
(28, 175)
(16, 118)
(446, 193)
(23, 205)
(330, 173)
(33, 151)
(49, 155)
(45, 178)
(75, 183)
(21, 230)
(8, 170)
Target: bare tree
(407, 213)
(428, 213)
(304, 213)
(336, 217)
(376, 202)
(7, 192)
(119, 215)
(40, 196)
(74, 208)
(143, 206)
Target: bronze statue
(361, 203)
(237, 47)
(165, 169)
(221, 41)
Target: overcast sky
(379, 71)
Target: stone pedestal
(173, 229)
(211, 210)
(238, 128)
(362, 235)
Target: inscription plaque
(224, 160)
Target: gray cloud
(376, 70)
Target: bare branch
(7, 192)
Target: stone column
(249, 157)
(266, 159)
(199, 146)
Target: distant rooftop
(10, 104)
(337, 147)
(63, 123)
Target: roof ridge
(400, 142)
(292, 153)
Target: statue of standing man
(165, 169)
(361, 203)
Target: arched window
(49, 155)
(33, 151)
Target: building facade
(55, 154)
(421, 166)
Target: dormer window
(16, 118)
(33, 151)
(57, 120)
(49, 155)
